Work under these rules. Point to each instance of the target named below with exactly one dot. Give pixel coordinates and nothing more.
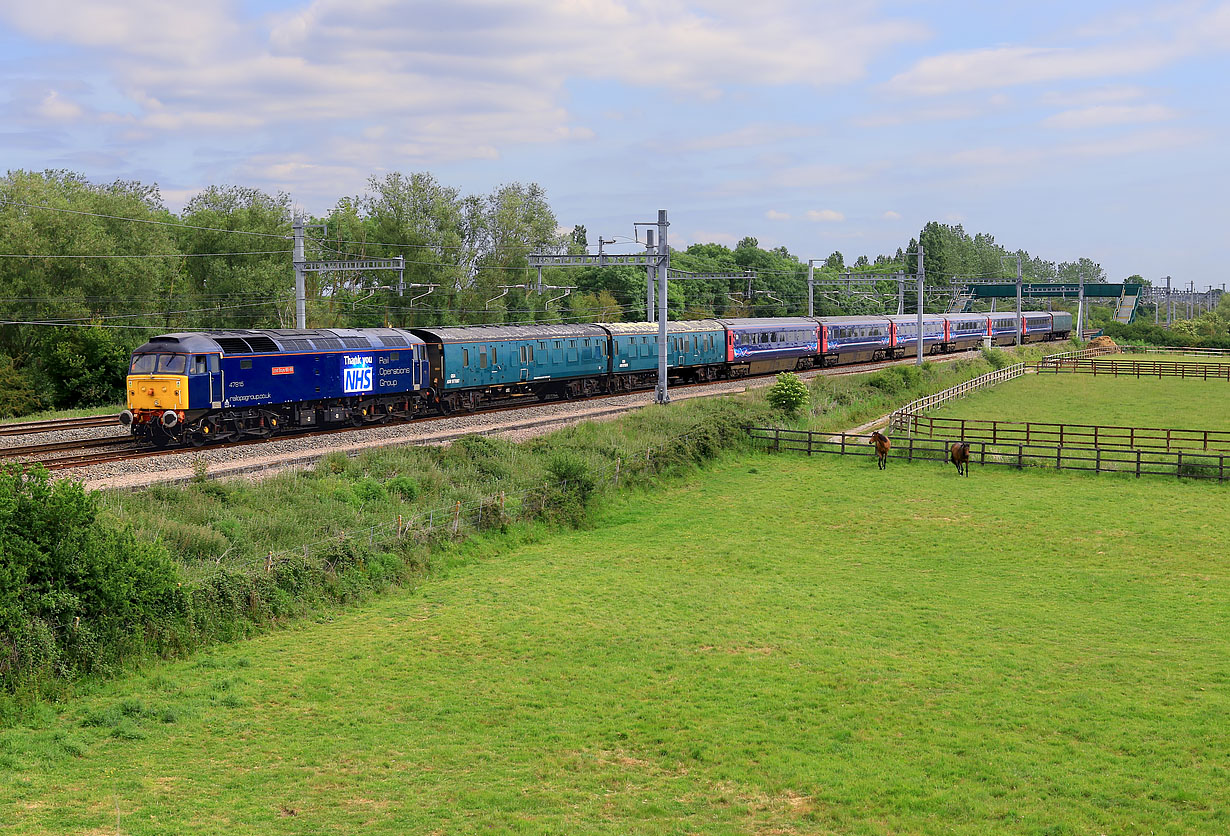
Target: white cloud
(1143, 41)
(958, 72)
(890, 215)
(774, 215)
(58, 109)
(1017, 159)
(825, 215)
(448, 82)
(749, 136)
(1093, 96)
(705, 237)
(1099, 115)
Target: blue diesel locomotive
(225, 385)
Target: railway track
(58, 425)
(108, 450)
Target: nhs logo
(356, 373)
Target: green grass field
(1107, 401)
(779, 645)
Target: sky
(1069, 129)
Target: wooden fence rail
(1066, 435)
(1175, 464)
(1137, 368)
(1170, 349)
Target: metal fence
(1175, 464)
(1067, 435)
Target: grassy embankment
(787, 645)
(52, 414)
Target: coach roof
(686, 326)
(501, 333)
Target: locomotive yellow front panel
(157, 391)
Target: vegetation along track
(58, 425)
(125, 448)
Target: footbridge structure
(1125, 296)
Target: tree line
(102, 266)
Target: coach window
(213, 363)
(482, 358)
(495, 355)
(245, 364)
(465, 357)
(198, 364)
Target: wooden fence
(1195, 352)
(1136, 368)
(1180, 464)
(1066, 435)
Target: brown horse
(958, 454)
(882, 446)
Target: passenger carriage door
(213, 363)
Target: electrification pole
(1169, 303)
(922, 274)
(300, 291)
(649, 248)
(1080, 310)
(664, 266)
(1020, 322)
(811, 286)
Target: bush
(789, 394)
(87, 366)
(74, 588)
(17, 392)
(997, 357)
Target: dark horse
(882, 447)
(958, 454)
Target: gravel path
(259, 460)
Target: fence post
(911, 453)
(456, 517)
(1020, 457)
(1058, 458)
(501, 505)
(616, 484)
(777, 439)
(305, 553)
(269, 561)
(1097, 460)
(1178, 466)
(809, 435)
(1137, 464)
(400, 529)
